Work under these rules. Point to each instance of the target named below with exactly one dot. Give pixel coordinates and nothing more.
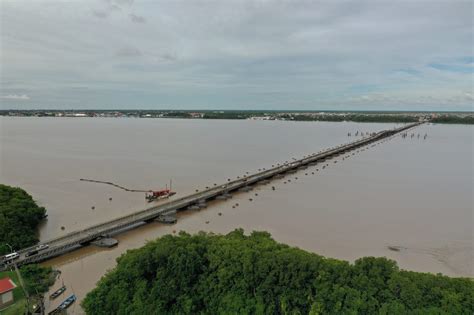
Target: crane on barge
(150, 195)
(153, 195)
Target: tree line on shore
(19, 219)
(240, 274)
(330, 117)
(446, 119)
(359, 116)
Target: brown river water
(409, 193)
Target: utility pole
(41, 303)
(23, 287)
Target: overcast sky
(381, 55)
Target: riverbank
(330, 116)
(241, 273)
(36, 281)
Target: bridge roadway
(75, 240)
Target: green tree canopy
(37, 279)
(239, 274)
(19, 218)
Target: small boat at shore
(64, 305)
(67, 302)
(57, 293)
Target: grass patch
(15, 309)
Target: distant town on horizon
(293, 115)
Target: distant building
(6, 292)
(196, 115)
(261, 118)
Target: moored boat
(67, 302)
(58, 292)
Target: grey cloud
(124, 2)
(114, 7)
(22, 97)
(232, 52)
(169, 57)
(109, 8)
(136, 18)
(100, 14)
(128, 52)
(119, 2)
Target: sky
(280, 55)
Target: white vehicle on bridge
(11, 257)
(42, 247)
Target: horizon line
(247, 110)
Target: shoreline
(313, 116)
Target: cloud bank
(378, 55)
(22, 97)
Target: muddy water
(412, 194)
